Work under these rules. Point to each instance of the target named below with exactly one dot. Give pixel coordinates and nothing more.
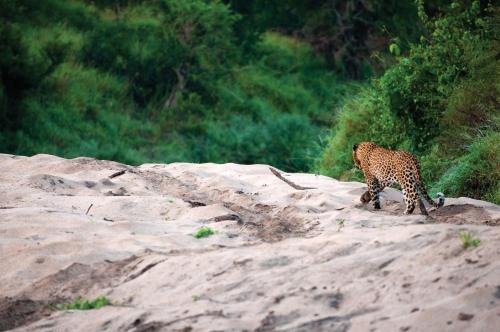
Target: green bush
(418, 87)
(468, 241)
(80, 304)
(203, 232)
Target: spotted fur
(382, 168)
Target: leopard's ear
(354, 147)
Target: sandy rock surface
(282, 259)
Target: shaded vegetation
(164, 81)
(288, 83)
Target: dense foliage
(255, 82)
(143, 81)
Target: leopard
(382, 168)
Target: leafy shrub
(203, 232)
(468, 240)
(417, 88)
(80, 304)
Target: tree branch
(290, 183)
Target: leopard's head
(360, 153)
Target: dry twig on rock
(114, 175)
(89, 208)
(290, 183)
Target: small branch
(89, 208)
(290, 183)
(179, 86)
(195, 203)
(114, 175)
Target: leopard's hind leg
(410, 197)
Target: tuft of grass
(196, 297)
(341, 223)
(80, 304)
(203, 232)
(468, 240)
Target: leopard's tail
(423, 191)
(440, 196)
